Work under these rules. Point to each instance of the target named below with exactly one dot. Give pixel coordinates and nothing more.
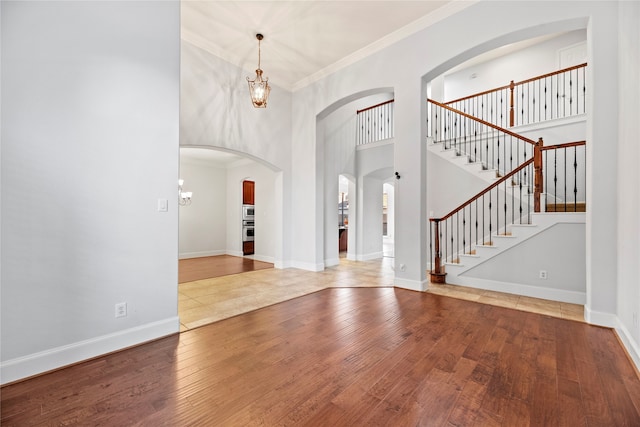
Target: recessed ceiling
(304, 40)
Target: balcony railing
(565, 176)
(374, 123)
(550, 96)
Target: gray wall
(558, 250)
(627, 264)
(203, 223)
(90, 96)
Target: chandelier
(184, 197)
(259, 88)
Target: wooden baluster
(538, 177)
(437, 275)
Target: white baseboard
(599, 318)
(264, 258)
(369, 257)
(308, 266)
(187, 255)
(48, 360)
(412, 285)
(629, 343)
(331, 262)
(280, 264)
(561, 295)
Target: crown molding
(440, 14)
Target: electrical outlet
(543, 274)
(121, 309)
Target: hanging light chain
(259, 37)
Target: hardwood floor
(192, 269)
(350, 356)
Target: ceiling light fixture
(259, 88)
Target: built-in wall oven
(248, 229)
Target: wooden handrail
(491, 125)
(543, 76)
(541, 148)
(513, 84)
(565, 145)
(486, 190)
(375, 106)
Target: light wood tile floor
(206, 301)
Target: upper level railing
(374, 123)
(511, 200)
(550, 96)
(565, 175)
(478, 140)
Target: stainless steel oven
(248, 212)
(248, 229)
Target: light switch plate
(163, 205)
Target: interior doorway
(388, 220)
(343, 216)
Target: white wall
(628, 219)
(559, 131)
(540, 58)
(370, 222)
(451, 187)
(602, 160)
(558, 250)
(90, 95)
(203, 223)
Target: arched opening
(213, 227)
(341, 173)
(213, 223)
(343, 215)
(518, 59)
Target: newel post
(437, 274)
(511, 107)
(538, 178)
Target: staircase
(534, 194)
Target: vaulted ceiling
(304, 40)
